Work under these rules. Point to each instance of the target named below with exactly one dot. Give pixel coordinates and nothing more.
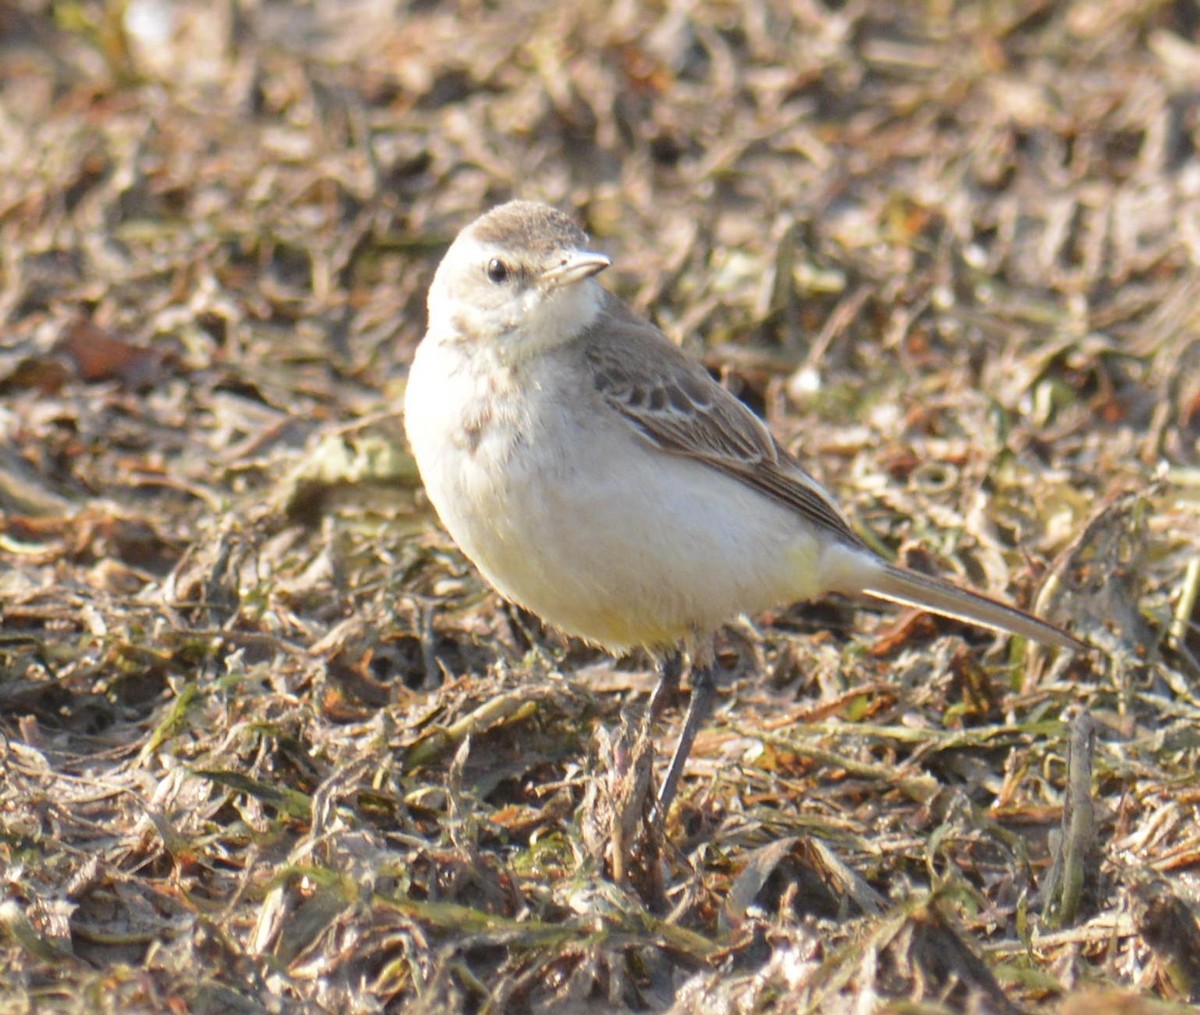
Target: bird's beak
(575, 267)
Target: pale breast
(568, 511)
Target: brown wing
(681, 409)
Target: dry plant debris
(266, 741)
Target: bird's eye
(497, 271)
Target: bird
(599, 477)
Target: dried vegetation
(268, 744)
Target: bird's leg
(627, 790)
(669, 672)
(700, 705)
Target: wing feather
(682, 410)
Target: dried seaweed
(268, 743)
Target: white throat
(557, 317)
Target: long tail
(898, 585)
